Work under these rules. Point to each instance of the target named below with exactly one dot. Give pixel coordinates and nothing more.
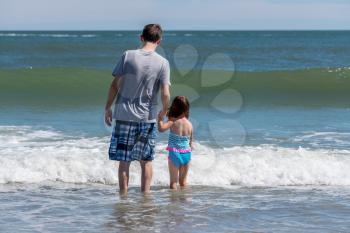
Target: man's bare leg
(146, 175)
(123, 175)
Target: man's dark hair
(152, 32)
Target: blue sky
(179, 14)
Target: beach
(272, 136)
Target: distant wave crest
(310, 87)
(45, 35)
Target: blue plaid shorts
(133, 141)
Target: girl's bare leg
(174, 175)
(183, 175)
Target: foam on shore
(31, 155)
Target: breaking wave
(30, 155)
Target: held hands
(161, 115)
(108, 116)
(163, 126)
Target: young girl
(180, 140)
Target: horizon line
(133, 30)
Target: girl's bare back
(182, 127)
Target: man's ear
(158, 42)
(142, 39)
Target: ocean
(270, 111)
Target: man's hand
(162, 114)
(108, 116)
(113, 90)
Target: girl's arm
(191, 139)
(163, 126)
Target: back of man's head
(152, 33)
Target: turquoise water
(271, 115)
(251, 50)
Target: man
(138, 77)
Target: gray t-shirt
(141, 74)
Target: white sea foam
(44, 35)
(17, 34)
(31, 155)
(57, 35)
(341, 139)
(88, 35)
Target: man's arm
(165, 95)
(113, 91)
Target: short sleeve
(164, 75)
(118, 70)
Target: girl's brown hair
(179, 106)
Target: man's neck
(149, 47)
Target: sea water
(270, 112)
